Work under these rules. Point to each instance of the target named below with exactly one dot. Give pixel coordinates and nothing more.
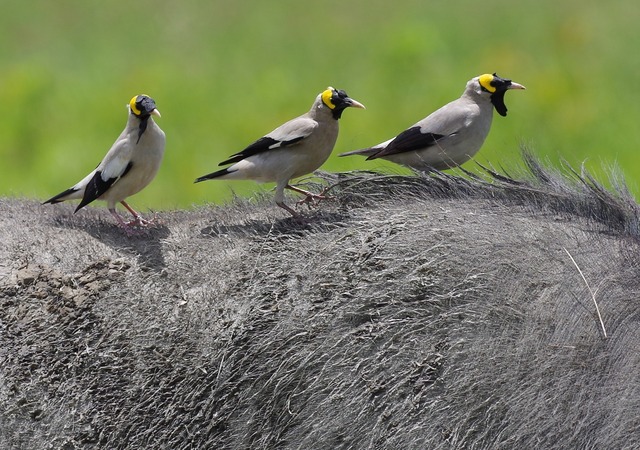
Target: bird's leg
(125, 225)
(279, 198)
(290, 210)
(137, 218)
(310, 197)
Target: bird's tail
(217, 174)
(62, 196)
(363, 152)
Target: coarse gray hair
(433, 311)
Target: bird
(127, 168)
(451, 135)
(296, 148)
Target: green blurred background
(223, 73)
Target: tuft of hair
(430, 311)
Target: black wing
(261, 145)
(97, 186)
(409, 140)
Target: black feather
(261, 145)
(59, 198)
(408, 141)
(498, 102)
(144, 121)
(216, 174)
(97, 186)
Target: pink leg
(310, 197)
(291, 211)
(138, 220)
(125, 226)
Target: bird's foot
(290, 210)
(139, 222)
(134, 226)
(312, 199)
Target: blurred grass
(225, 73)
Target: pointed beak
(155, 112)
(516, 86)
(356, 104)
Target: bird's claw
(313, 199)
(138, 223)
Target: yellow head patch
(133, 104)
(134, 108)
(485, 81)
(326, 98)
